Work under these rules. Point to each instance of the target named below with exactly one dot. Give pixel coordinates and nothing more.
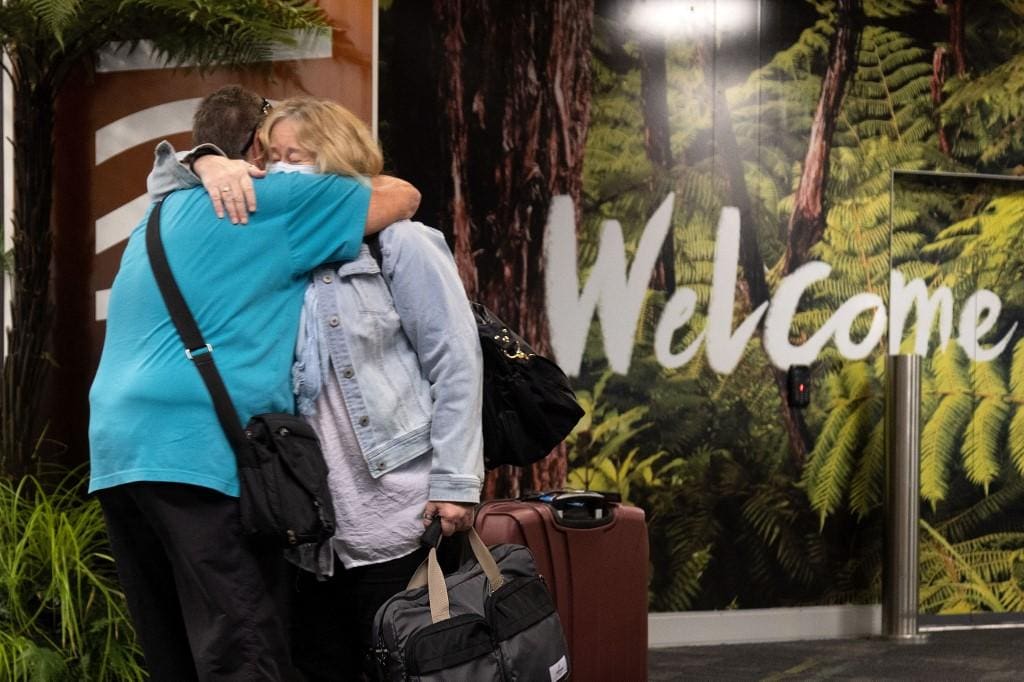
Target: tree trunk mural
(807, 223)
(753, 267)
(657, 142)
(954, 51)
(25, 369)
(937, 82)
(515, 86)
(957, 43)
(754, 280)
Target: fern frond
(866, 489)
(940, 442)
(982, 443)
(961, 527)
(976, 586)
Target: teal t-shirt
(151, 417)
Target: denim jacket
(404, 349)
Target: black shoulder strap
(373, 242)
(196, 349)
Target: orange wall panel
(107, 126)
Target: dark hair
(227, 118)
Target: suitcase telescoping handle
(579, 508)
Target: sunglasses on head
(265, 108)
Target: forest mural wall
(679, 200)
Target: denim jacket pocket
(366, 284)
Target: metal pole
(903, 444)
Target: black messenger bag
(284, 499)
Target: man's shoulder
(301, 187)
(181, 198)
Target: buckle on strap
(191, 353)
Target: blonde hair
(340, 142)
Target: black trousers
(206, 604)
(332, 620)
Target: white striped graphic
(102, 304)
(117, 225)
(146, 124)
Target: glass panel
(957, 299)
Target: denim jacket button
(334, 321)
(363, 421)
(348, 373)
(328, 278)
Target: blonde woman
(388, 371)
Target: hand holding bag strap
(196, 348)
(429, 573)
(430, 539)
(480, 552)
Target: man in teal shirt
(199, 594)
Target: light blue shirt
(152, 418)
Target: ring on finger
(226, 189)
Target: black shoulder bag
(284, 498)
(529, 407)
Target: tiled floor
(994, 654)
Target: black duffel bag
(492, 619)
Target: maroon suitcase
(593, 555)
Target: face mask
(282, 167)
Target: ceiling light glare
(693, 18)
